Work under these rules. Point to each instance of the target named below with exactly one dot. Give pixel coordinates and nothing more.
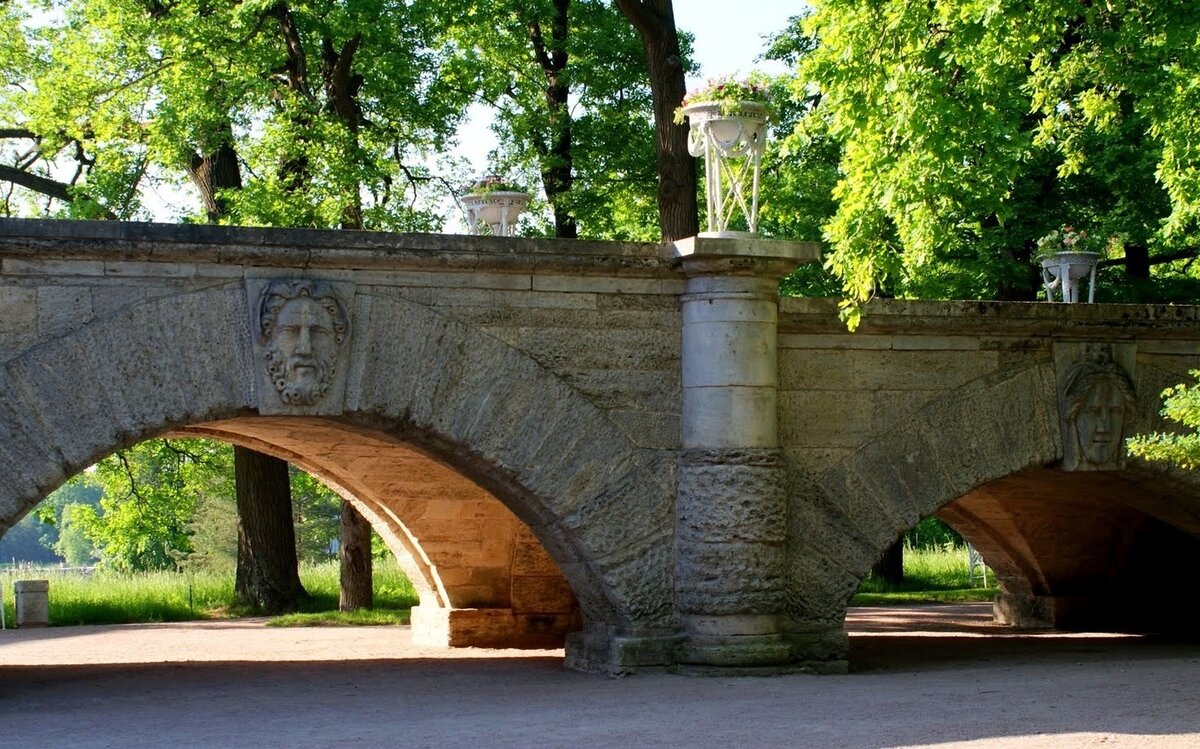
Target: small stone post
(32, 602)
(731, 508)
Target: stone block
(10, 266)
(531, 559)
(632, 511)
(545, 595)
(818, 419)
(486, 628)
(32, 603)
(597, 284)
(18, 313)
(82, 418)
(61, 309)
(741, 499)
(731, 417)
(729, 578)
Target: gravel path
(923, 677)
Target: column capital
(706, 255)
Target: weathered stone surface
(32, 599)
(78, 416)
(61, 309)
(542, 595)
(730, 578)
(514, 424)
(18, 313)
(732, 496)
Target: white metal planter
(497, 210)
(731, 138)
(1062, 273)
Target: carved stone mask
(1098, 399)
(302, 324)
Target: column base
(489, 628)
(1023, 611)
(759, 645)
(602, 651)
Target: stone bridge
(639, 448)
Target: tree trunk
(890, 567)
(558, 170)
(356, 561)
(1137, 262)
(267, 574)
(215, 172)
(655, 23)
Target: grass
(930, 576)
(112, 598)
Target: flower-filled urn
(494, 203)
(728, 128)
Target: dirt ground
(921, 677)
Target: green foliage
(357, 618)
(493, 183)
(968, 129)
(151, 493)
(317, 512)
(327, 104)
(502, 48)
(935, 574)
(931, 534)
(1181, 404)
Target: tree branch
(48, 187)
(17, 132)
(297, 65)
(133, 491)
(1166, 257)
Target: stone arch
(482, 578)
(601, 508)
(844, 518)
(997, 436)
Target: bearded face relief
(302, 325)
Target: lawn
(110, 598)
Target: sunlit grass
(359, 618)
(112, 598)
(930, 576)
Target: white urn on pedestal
(496, 209)
(1063, 272)
(731, 136)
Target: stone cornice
(974, 318)
(44, 239)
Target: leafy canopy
(969, 129)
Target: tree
(1181, 404)
(321, 104)
(665, 62)
(565, 80)
(970, 129)
(150, 495)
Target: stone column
(731, 509)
